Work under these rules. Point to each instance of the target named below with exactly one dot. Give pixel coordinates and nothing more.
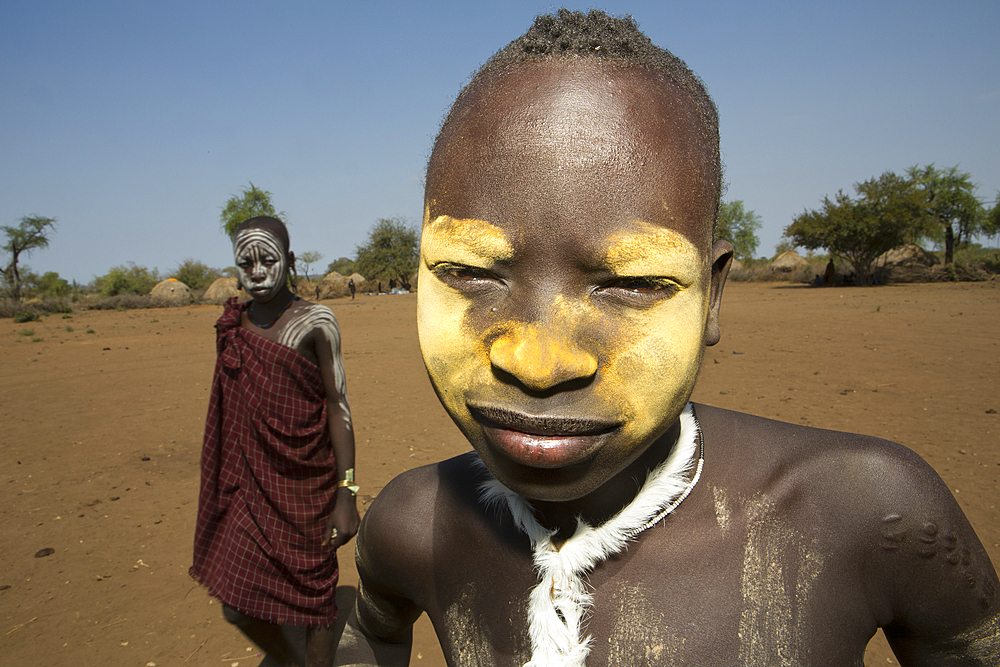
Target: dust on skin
(980, 643)
(722, 510)
(635, 622)
(469, 642)
(647, 369)
(775, 588)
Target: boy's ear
(722, 258)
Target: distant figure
(350, 286)
(380, 287)
(277, 468)
(392, 284)
(830, 275)
(569, 284)
(817, 281)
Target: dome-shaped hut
(221, 290)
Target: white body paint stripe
(315, 316)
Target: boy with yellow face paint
(568, 286)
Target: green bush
(50, 284)
(25, 316)
(195, 275)
(992, 262)
(127, 279)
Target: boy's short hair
(615, 41)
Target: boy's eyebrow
(638, 252)
(465, 239)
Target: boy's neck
(611, 497)
(268, 311)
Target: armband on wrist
(348, 482)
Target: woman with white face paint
(277, 491)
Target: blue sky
(133, 122)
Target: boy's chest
(714, 601)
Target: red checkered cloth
(268, 479)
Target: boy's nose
(540, 358)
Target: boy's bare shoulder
(873, 496)
(850, 468)
(315, 310)
(440, 485)
(417, 513)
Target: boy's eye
(640, 290)
(465, 277)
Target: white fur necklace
(560, 600)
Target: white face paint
(261, 263)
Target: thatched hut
(908, 254)
(221, 289)
(333, 286)
(789, 261)
(172, 291)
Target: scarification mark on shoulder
(893, 535)
(926, 540)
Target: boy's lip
(257, 290)
(542, 441)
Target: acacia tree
(391, 251)
(250, 203)
(738, 226)
(888, 211)
(31, 233)
(307, 259)
(991, 223)
(950, 198)
(342, 265)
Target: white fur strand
(559, 603)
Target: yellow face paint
(451, 352)
(650, 370)
(622, 353)
(653, 251)
(470, 242)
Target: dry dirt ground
(101, 420)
